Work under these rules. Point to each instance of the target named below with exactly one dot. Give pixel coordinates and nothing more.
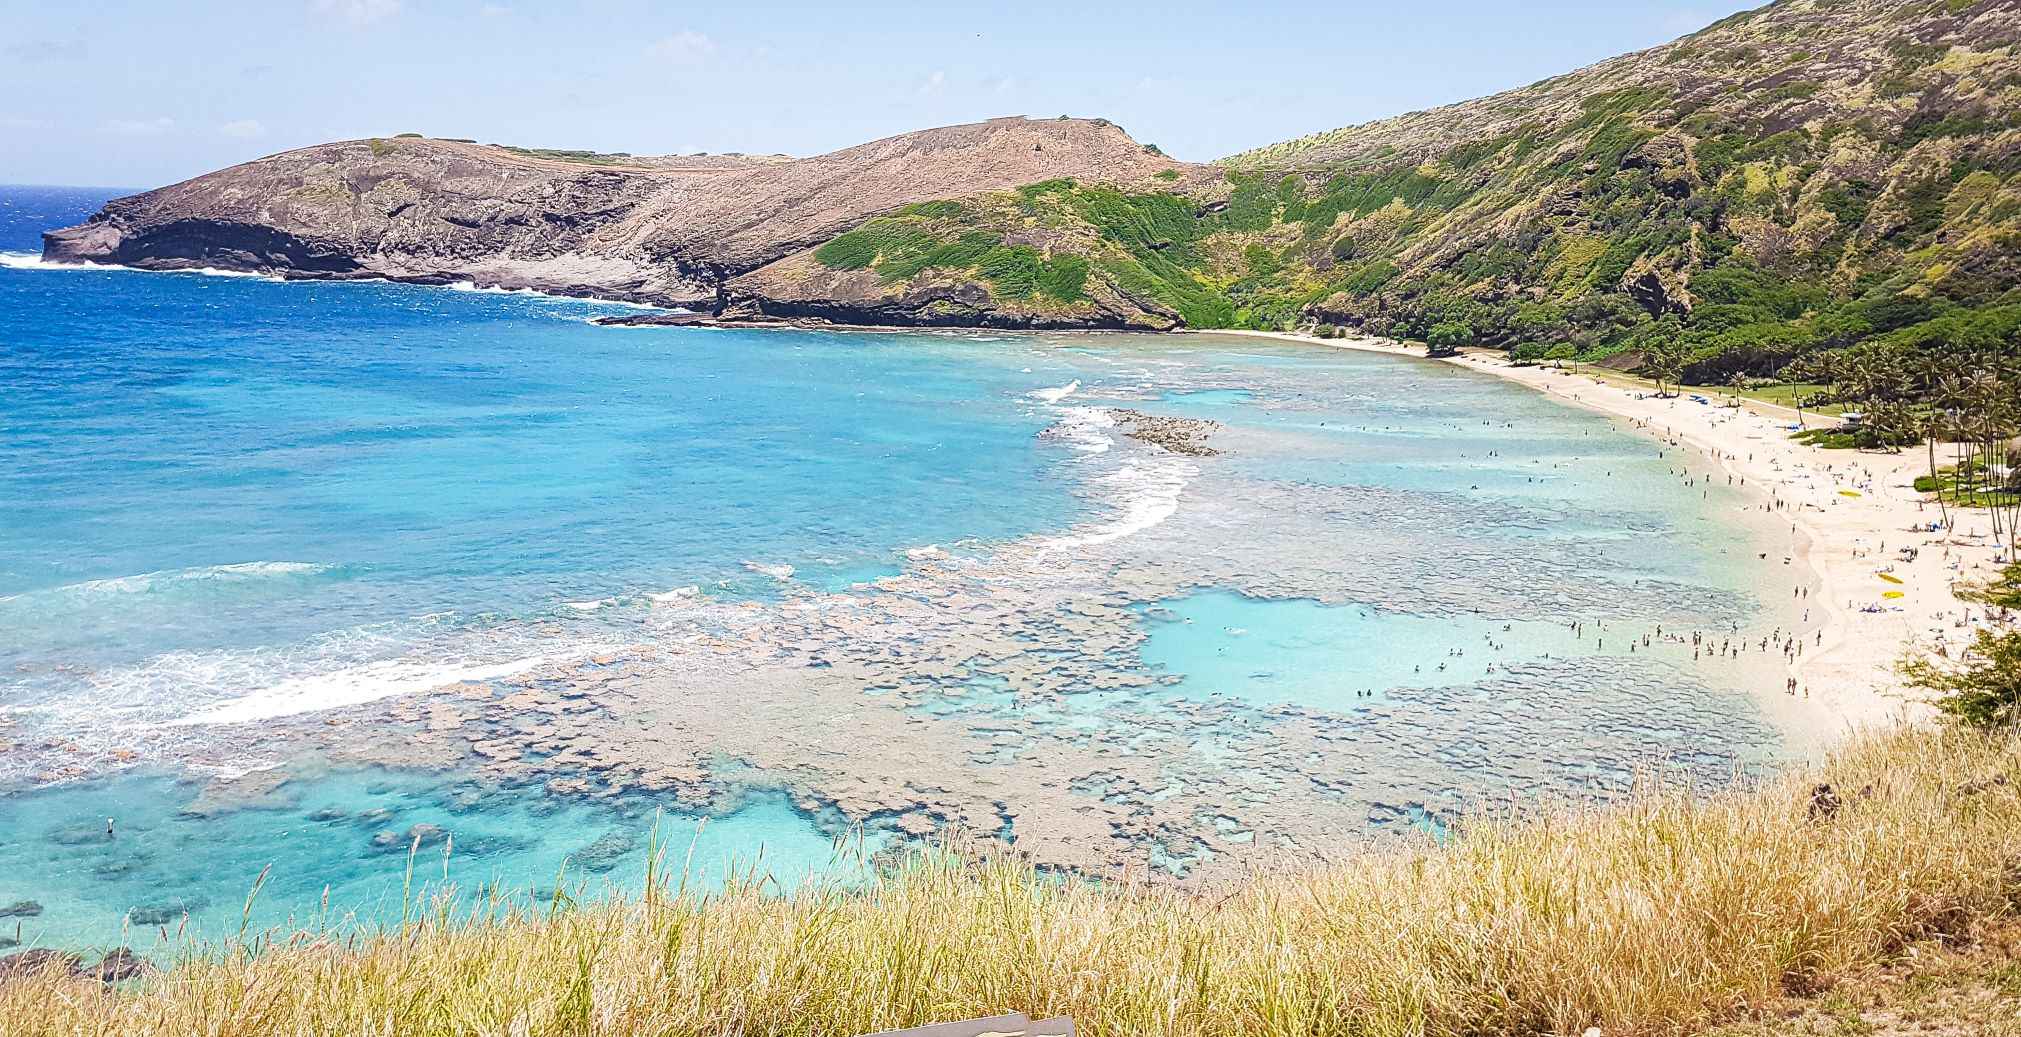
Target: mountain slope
(1807, 175)
(1780, 187)
(667, 230)
(1789, 185)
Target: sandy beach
(1853, 514)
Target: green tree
(1446, 337)
(1663, 358)
(1984, 690)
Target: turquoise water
(227, 498)
(331, 852)
(218, 488)
(219, 485)
(1332, 657)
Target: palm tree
(1664, 360)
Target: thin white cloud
(357, 12)
(682, 48)
(494, 10)
(243, 128)
(20, 122)
(140, 127)
(933, 83)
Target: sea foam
(352, 686)
(171, 579)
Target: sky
(130, 94)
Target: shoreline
(1851, 514)
(1850, 511)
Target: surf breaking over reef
(1007, 688)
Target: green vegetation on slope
(1779, 189)
(588, 158)
(903, 247)
(1788, 193)
(1659, 915)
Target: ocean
(304, 577)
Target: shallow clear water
(1332, 657)
(226, 499)
(164, 876)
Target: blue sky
(139, 94)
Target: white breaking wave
(677, 593)
(33, 261)
(777, 572)
(1149, 495)
(143, 583)
(211, 271)
(1056, 394)
(351, 686)
(1082, 428)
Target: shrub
(1012, 270)
(1984, 688)
(1063, 277)
(896, 239)
(949, 210)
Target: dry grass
(1967, 986)
(1663, 915)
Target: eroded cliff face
(672, 231)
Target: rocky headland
(698, 233)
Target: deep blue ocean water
(220, 484)
(224, 494)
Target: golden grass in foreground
(1657, 916)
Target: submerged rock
(118, 869)
(28, 963)
(419, 836)
(607, 851)
(84, 833)
(118, 966)
(166, 911)
(21, 909)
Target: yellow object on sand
(1891, 594)
(1849, 493)
(1889, 578)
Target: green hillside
(1785, 186)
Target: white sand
(1849, 680)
